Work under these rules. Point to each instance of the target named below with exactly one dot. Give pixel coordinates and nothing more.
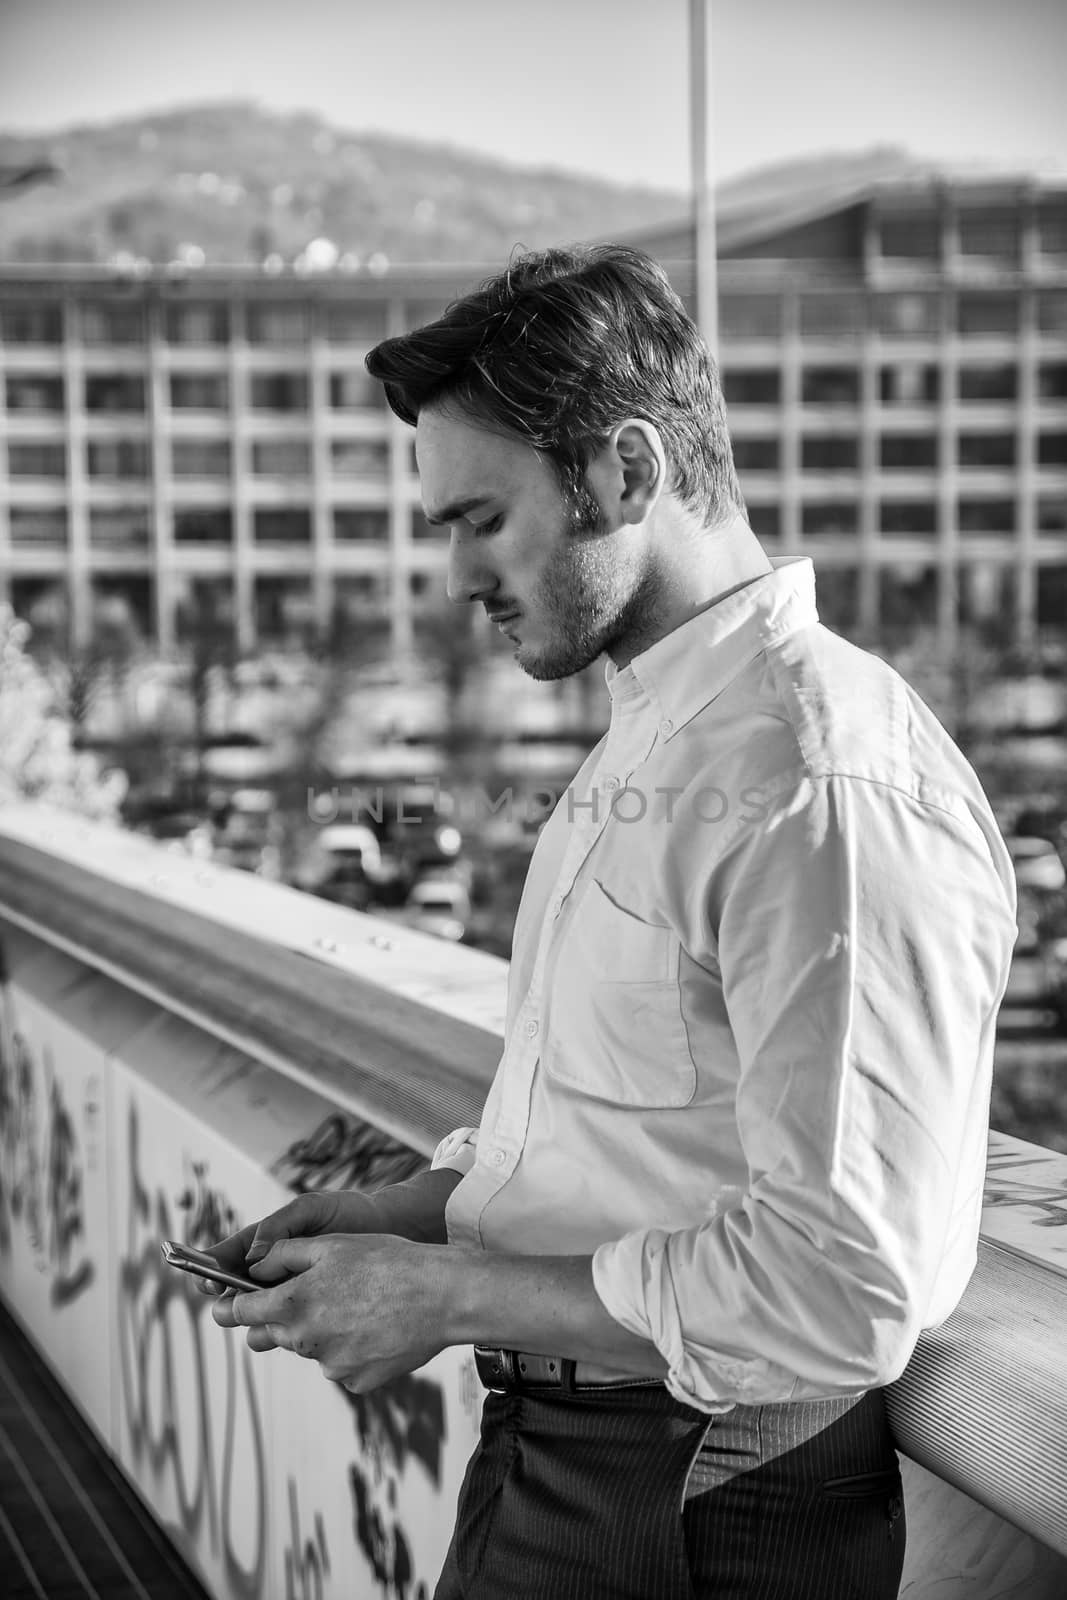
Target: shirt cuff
(457, 1151)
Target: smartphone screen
(204, 1266)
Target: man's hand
(304, 1217)
(366, 1307)
(411, 1210)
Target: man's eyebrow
(458, 509)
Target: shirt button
(530, 1029)
(666, 726)
(496, 1158)
(556, 907)
(611, 782)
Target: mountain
(241, 183)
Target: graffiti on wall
(344, 1152)
(307, 1560)
(400, 1423)
(175, 1431)
(44, 1198)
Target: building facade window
(1052, 228)
(37, 323)
(1052, 595)
(356, 593)
(830, 386)
(283, 610)
(281, 323)
(986, 516)
(203, 525)
(357, 525)
(1052, 380)
(1052, 449)
(909, 383)
(832, 316)
(838, 597)
(907, 599)
(104, 323)
(30, 392)
(38, 527)
(354, 322)
(829, 452)
(359, 458)
(115, 393)
(204, 609)
(281, 525)
(910, 518)
(911, 238)
(822, 517)
(752, 386)
(1052, 312)
(281, 458)
(908, 315)
(986, 450)
(908, 452)
(199, 391)
(355, 391)
(750, 316)
(756, 455)
(980, 316)
(279, 391)
(119, 527)
(421, 529)
(28, 458)
(1052, 513)
(992, 233)
(989, 381)
(203, 323)
(118, 458)
(765, 519)
(200, 458)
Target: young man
(732, 1160)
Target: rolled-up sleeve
(863, 939)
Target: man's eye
(483, 528)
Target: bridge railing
(183, 1046)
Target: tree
(37, 759)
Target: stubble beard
(590, 603)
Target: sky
(598, 86)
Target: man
(732, 1160)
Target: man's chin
(547, 668)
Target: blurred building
(894, 356)
(206, 447)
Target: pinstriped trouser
(626, 1494)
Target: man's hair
(559, 349)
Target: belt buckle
(496, 1368)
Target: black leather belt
(514, 1370)
(518, 1371)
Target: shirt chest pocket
(615, 1024)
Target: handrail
(406, 1031)
(326, 997)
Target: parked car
(436, 904)
(248, 832)
(341, 864)
(1037, 863)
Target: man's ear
(629, 473)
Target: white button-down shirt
(756, 969)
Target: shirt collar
(684, 671)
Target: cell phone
(204, 1266)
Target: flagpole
(701, 146)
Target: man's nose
(468, 576)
